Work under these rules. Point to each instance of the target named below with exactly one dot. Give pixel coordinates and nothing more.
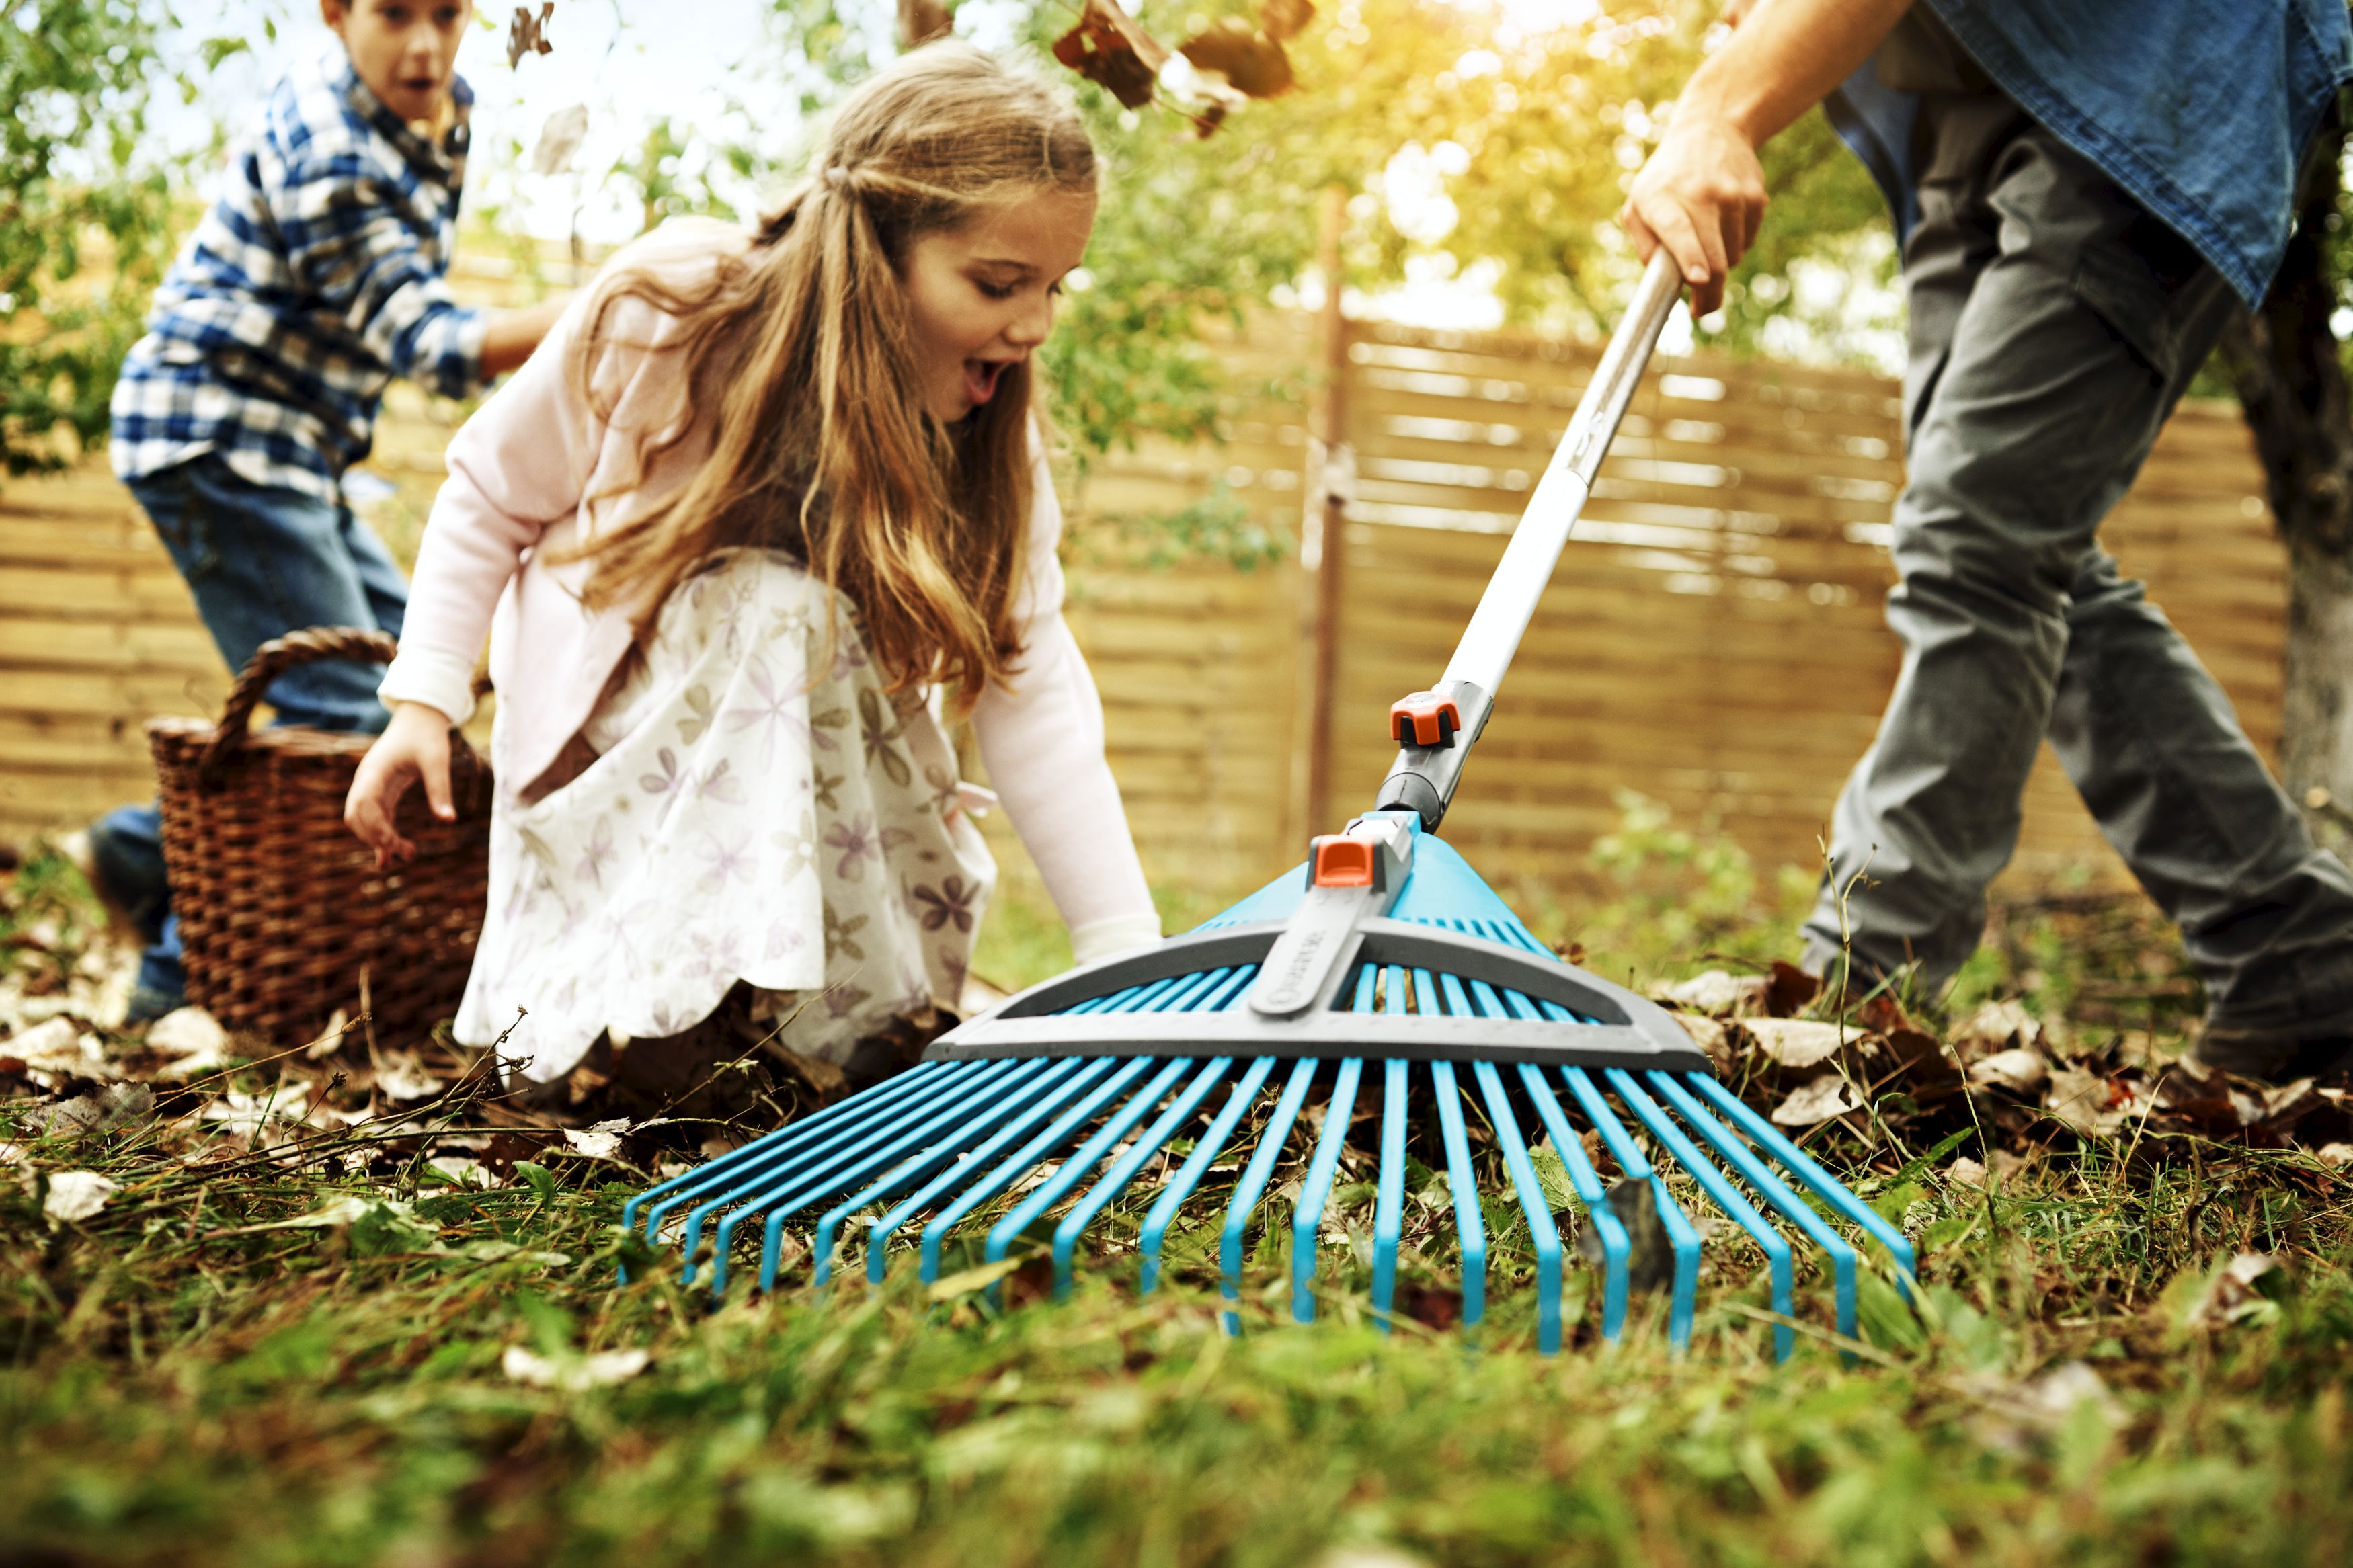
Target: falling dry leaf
(526, 34)
(2020, 1072)
(560, 135)
(1245, 57)
(1815, 1102)
(1795, 1042)
(570, 1373)
(76, 1195)
(1283, 19)
(1110, 48)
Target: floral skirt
(756, 809)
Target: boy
(316, 276)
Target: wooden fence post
(1321, 549)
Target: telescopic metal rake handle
(1436, 728)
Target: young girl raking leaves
(756, 497)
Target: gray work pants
(2054, 325)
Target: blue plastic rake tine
(992, 1103)
(1606, 1224)
(1389, 1206)
(760, 1151)
(1543, 1234)
(1542, 1231)
(1024, 1160)
(1616, 1283)
(848, 1170)
(1253, 1183)
(1682, 1238)
(1068, 1075)
(1776, 1191)
(1469, 1225)
(1114, 1182)
(775, 1178)
(1824, 1185)
(1725, 1195)
(1089, 1154)
(1388, 1209)
(1315, 1192)
(1189, 1176)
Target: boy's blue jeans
(261, 561)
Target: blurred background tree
(85, 216)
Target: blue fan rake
(1384, 972)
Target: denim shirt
(2201, 109)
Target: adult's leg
(2151, 743)
(2075, 337)
(262, 561)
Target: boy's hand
(415, 746)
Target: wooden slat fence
(1714, 640)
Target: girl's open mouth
(980, 378)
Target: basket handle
(274, 658)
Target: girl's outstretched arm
(1041, 735)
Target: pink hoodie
(519, 471)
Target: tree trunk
(2284, 360)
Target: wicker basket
(284, 916)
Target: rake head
(1390, 970)
(1141, 1076)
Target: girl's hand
(415, 746)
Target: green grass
(181, 1387)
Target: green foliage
(1217, 527)
(85, 227)
(1669, 897)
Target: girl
(755, 494)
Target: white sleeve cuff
(1110, 938)
(435, 677)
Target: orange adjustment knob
(1424, 719)
(1342, 862)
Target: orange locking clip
(1424, 719)
(1339, 861)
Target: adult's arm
(1702, 194)
(1041, 735)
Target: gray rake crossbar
(935, 1147)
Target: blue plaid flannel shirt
(316, 276)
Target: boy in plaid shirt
(316, 276)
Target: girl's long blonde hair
(822, 444)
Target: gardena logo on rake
(1387, 953)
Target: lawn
(342, 1307)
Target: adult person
(2083, 192)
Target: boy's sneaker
(125, 868)
(2271, 1057)
(124, 865)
